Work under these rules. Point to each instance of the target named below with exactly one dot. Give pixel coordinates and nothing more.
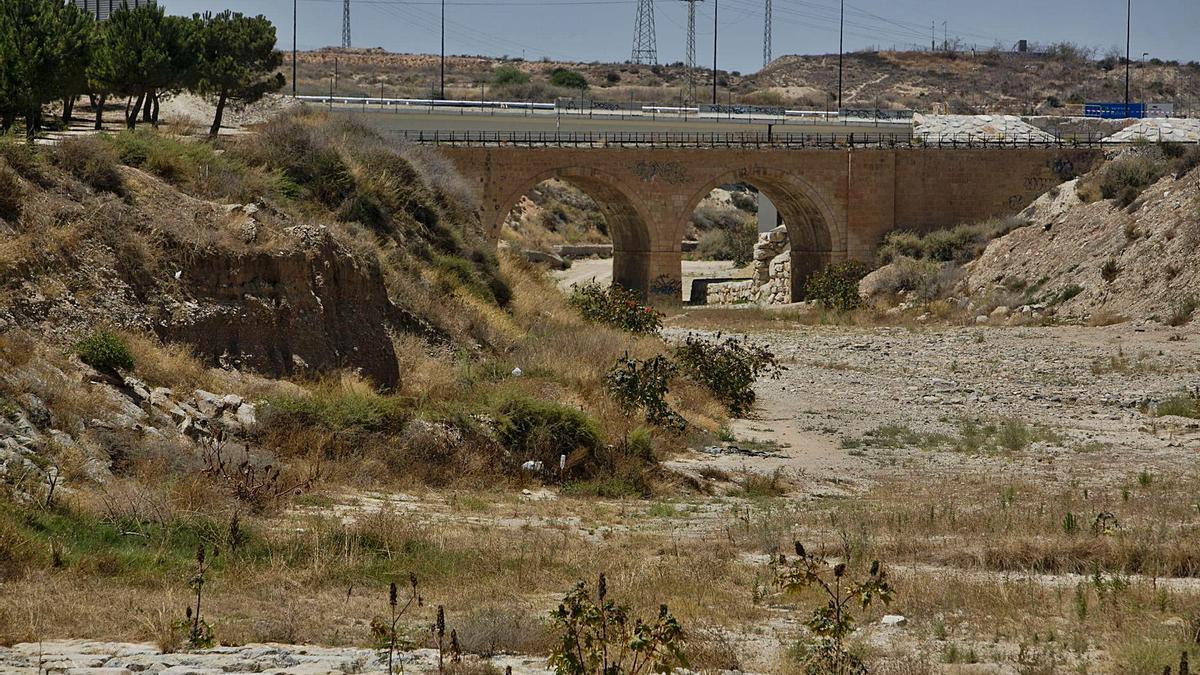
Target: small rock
(232, 401)
(208, 403)
(981, 319)
(160, 397)
(246, 416)
(893, 620)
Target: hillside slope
(1092, 257)
(962, 82)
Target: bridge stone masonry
(836, 203)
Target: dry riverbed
(1034, 512)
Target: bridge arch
(628, 224)
(817, 234)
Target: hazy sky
(602, 30)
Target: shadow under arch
(815, 234)
(627, 226)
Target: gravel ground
(1089, 386)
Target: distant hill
(993, 81)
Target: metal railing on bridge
(754, 140)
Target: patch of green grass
(339, 409)
(970, 436)
(1182, 405)
(665, 510)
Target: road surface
(600, 269)
(419, 119)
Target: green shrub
(1110, 270)
(1062, 295)
(643, 385)
(21, 155)
(569, 79)
(601, 636)
(1125, 178)
(956, 244)
(836, 286)
(616, 307)
(10, 193)
(727, 367)
(105, 351)
(1181, 405)
(92, 161)
(1183, 310)
(734, 243)
(502, 75)
(533, 429)
(900, 244)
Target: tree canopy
(235, 59)
(52, 50)
(142, 52)
(44, 45)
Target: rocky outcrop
(309, 309)
(1097, 260)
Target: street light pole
(294, 47)
(1128, 24)
(714, 98)
(841, 43)
(443, 78)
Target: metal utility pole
(767, 34)
(1128, 25)
(716, 3)
(691, 51)
(345, 24)
(294, 47)
(443, 66)
(841, 45)
(645, 47)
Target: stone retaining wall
(772, 281)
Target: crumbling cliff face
(244, 286)
(311, 309)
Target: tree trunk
(131, 113)
(7, 119)
(68, 108)
(31, 124)
(147, 104)
(98, 104)
(154, 111)
(216, 125)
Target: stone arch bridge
(836, 203)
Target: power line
(645, 48)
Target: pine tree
(236, 60)
(141, 54)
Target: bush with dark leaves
(728, 367)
